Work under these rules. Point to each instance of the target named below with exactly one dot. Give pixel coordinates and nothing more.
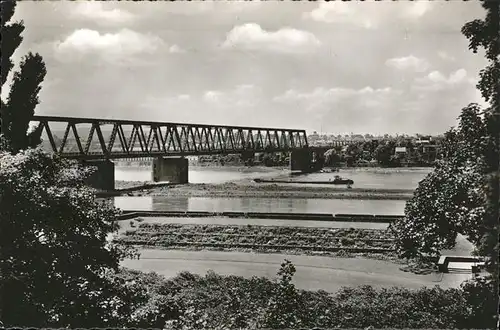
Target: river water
(253, 204)
(376, 178)
(403, 178)
(363, 178)
(202, 174)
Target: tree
(17, 111)
(461, 195)
(56, 260)
(448, 201)
(284, 306)
(355, 151)
(58, 268)
(486, 34)
(384, 153)
(332, 157)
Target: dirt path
(313, 273)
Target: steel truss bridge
(98, 139)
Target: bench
(445, 260)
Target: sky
(332, 67)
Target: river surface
(254, 204)
(372, 178)
(405, 178)
(201, 174)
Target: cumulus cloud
(367, 14)
(212, 96)
(417, 9)
(445, 56)
(408, 63)
(240, 96)
(251, 36)
(111, 46)
(94, 10)
(341, 12)
(176, 49)
(436, 81)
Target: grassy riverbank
(260, 238)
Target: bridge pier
(172, 169)
(301, 160)
(104, 176)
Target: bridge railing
(85, 138)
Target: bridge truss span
(88, 139)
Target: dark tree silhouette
(19, 107)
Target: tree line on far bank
(381, 153)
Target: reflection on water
(249, 204)
(363, 178)
(199, 174)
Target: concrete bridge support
(301, 160)
(172, 169)
(103, 177)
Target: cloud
(229, 106)
(152, 101)
(183, 97)
(111, 46)
(341, 109)
(436, 81)
(341, 12)
(251, 36)
(321, 101)
(93, 10)
(417, 9)
(445, 56)
(367, 14)
(332, 93)
(213, 96)
(408, 63)
(240, 96)
(176, 49)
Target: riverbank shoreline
(249, 189)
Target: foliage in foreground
(55, 254)
(226, 302)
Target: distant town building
(400, 151)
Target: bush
(220, 302)
(481, 293)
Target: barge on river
(337, 180)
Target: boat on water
(338, 180)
